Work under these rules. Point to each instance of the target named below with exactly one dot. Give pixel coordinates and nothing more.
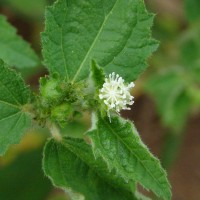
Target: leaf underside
(119, 144)
(115, 33)
(13, 95)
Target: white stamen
(116, 94)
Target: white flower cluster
(116, 94)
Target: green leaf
(173, 103)
(119, 144)
(72, 166)
(14, 95)
(97, 75)
(189, 45)
(23, 179)
(13, 49)
(85, 152)
(115, 33)
(192, 8)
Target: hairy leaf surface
(115, 33)
(119, 144)
(71, 165)
(13, 96)
(13, 49)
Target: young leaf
(119, 144)
(66, 166)
(115, 33)
(13, 96)
(13, 49)
(97, 75)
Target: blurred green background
(166, 111)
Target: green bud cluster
(60, 101)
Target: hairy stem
(54, 130)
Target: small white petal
(131, 85)
(131, 102)
(117, 103)
(112, 105)
(115, 94)
(106, 102)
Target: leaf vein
(9, 104)
(94, 42)
(65, 59)
(9, 116)
(132, 152)
(10, 93)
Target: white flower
(116, 94)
